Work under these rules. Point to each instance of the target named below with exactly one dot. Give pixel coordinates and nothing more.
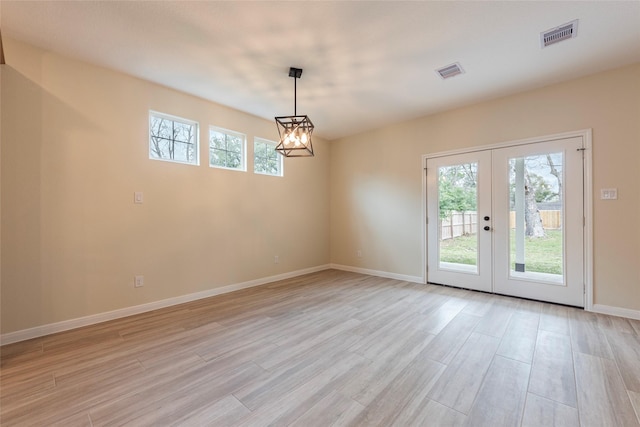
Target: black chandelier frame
(292, 129)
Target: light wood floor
(333, 348)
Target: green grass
(543, 255)
(460, 250)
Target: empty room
(320, 213)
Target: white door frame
(586, 135)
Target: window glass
(173, 139)
(226, 149)
(265, 158)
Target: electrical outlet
(276, 259)
(359, 253)
(138, 281)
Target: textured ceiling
(366, 64)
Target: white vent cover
(450, 70)
(558, 34)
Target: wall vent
(450, 70)
(558, 34)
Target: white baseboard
(616, 311)
(52, 328)
(404, 277)
(596, 308)
(65, 325)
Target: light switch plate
(608, 193)
(138, 281)
(138, 197)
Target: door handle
(486, 218)
(487, 228)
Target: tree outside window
(173, 139)
(265, 158)
(226, 149)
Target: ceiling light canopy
(295, 131)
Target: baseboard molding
(616, 311)
(596, 308)
(52, 328)
(404, 277)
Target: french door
(509, 220)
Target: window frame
(279, 157)
(243, 152)
(183, 121)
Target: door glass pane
(536, 207)
(458, 218)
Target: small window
(173, 139)
(265, 158)
(226, 149)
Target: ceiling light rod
(296, 73)
(295, 131)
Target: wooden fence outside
(464, 223)
(459, 224)
(551, 220)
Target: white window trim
(280, 158)
(180, 120)
(242, 168)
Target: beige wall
(376, 177)
(74, 150)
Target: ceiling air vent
(558, 34)
(450, 71)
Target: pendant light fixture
(295, 131)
